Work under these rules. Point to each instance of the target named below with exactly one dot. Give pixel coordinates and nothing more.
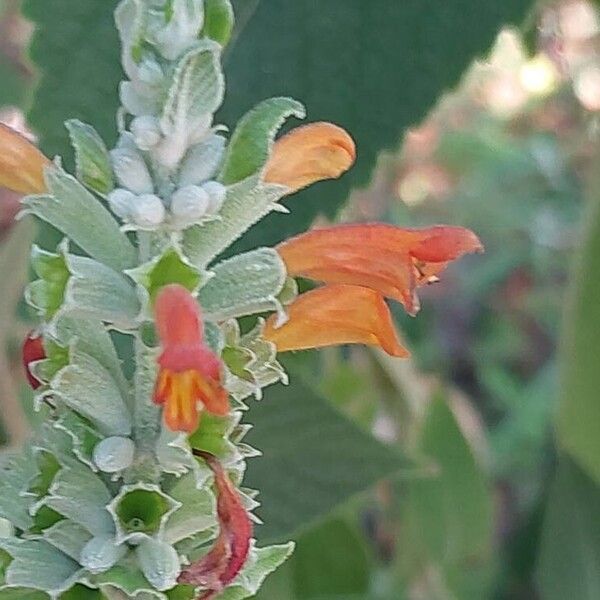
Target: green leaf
(313, 459)
(79, 72)
(82, 217)
(569, 564)
(245, 284)
(253, 137)
(448, 516)
(91, 157)
(331, 560)
(218, 20)
(578, 421)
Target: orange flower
(189, 371)
(225, 560)
(309, 154)
(386, 258)
(21, 163)
(336, 314)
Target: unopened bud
(202, 161)
(146, 132)
(131, 170)
(150, 72)
(189, 205)
(121, 202)
(182, 30)
(114, 454)
(217, 192)
(148, 211)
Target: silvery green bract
(106, 502)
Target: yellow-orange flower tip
(392, 260)
(189, 372)
(333, 315)
(309, 154)
(21, 163)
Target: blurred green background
(497, 412)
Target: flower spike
(389, 259)
(189, 371)
(309, 154)
(228, 555)
(336, 314)
(21, 163)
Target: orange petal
(389, 259)
(21, 163)
(336, 314)
(309, 154)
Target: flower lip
(336, 314)
(309, 154)
(392, 260)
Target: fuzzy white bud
(216, 192)
(131, 170)
(114, 454)
(146, 132)
(148, 212)
(202, 161)
(189, 205)
(120, 202)
(182, 30)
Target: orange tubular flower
(336, 314)
(389, 259)
(21, 163)
(189, 371)
(309, 154)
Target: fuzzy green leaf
(218, 20)
(159, 563)
(68, 537)
(253, 137)
(246, 202)
(81, 217)
(246, 284)
(16, 474)
(91, 157)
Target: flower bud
(216, 192)
(202, 161)
(114, 454)
(150, 73)
(182, 30)
(131, 170)
(147, 212)
(33, 350)
(189, 204)
(121, 202)
(146, 132)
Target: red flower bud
(33, 349)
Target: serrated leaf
(246, 202)
(261, 563)
(218, 20)
(16, 474)
(197, 511)
(92, 161)
(313, 459)
(81, 217)
(81, 496)
(569, 565)
(53, 569)
(87, 387)
(246, 284)
(252, 140)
